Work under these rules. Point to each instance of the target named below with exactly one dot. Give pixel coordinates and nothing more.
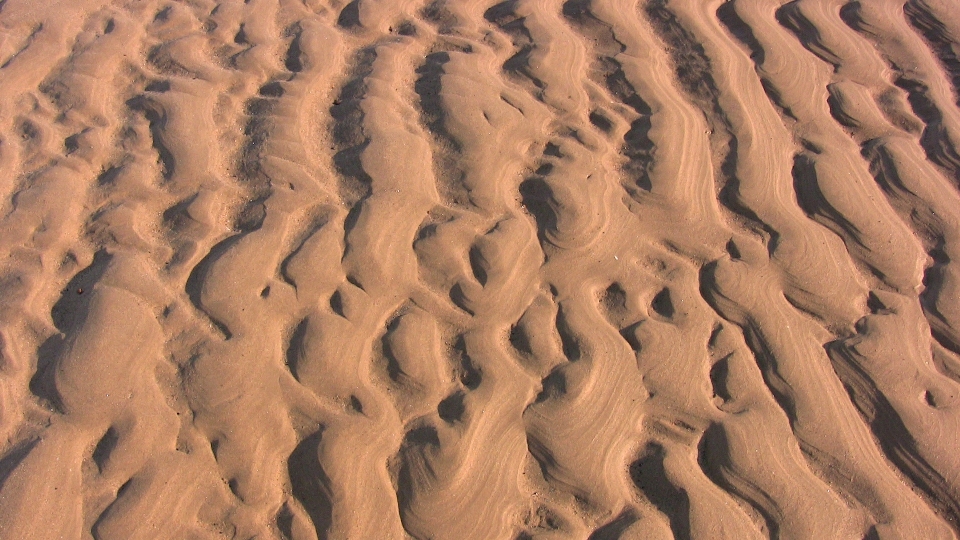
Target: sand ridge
(463, 269)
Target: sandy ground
(461, 269)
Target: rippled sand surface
(460, 269)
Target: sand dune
(305, 269)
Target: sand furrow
(642, 337)
(897, 163)
(941, 32)
(46, 215)
(891, 152)
(569, 223)
(793, 16)
(917, 71)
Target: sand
(460, 269)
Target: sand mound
(454, 269)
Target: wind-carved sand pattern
(307, 269)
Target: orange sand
(459, 269)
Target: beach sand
(460, 269)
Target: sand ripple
(465, 269)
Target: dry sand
(389, 269)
